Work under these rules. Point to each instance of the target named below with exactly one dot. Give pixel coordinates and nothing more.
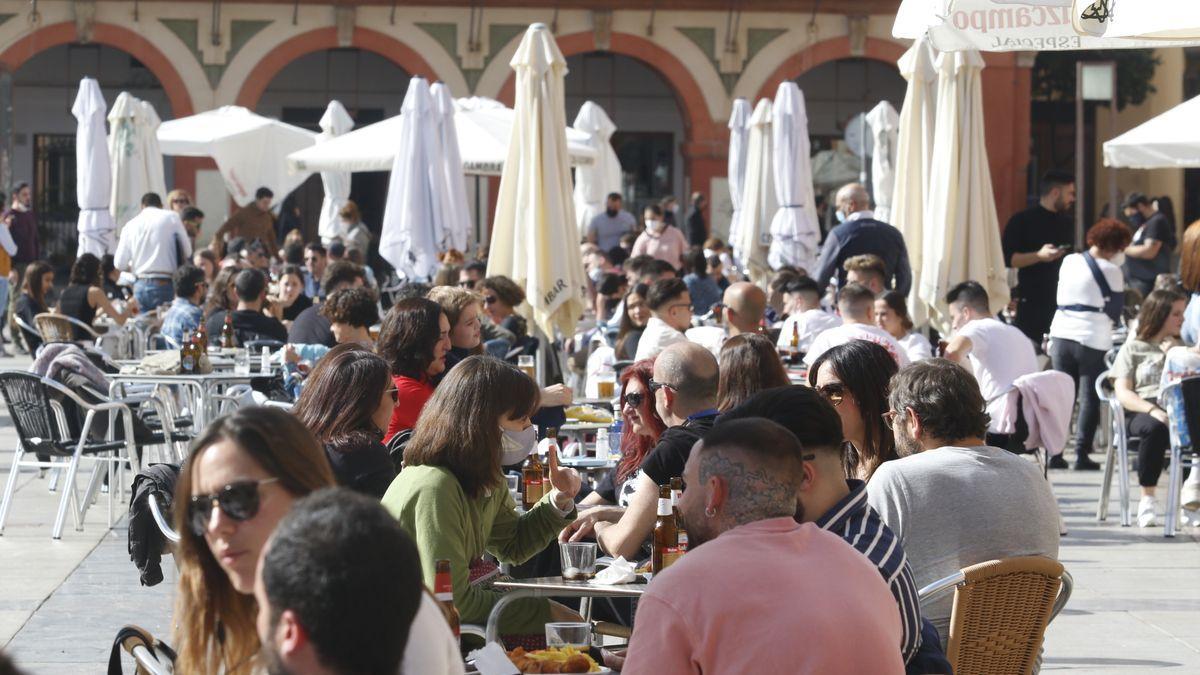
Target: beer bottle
(443, 592)
(533, 477)
(202, 337)
(228, 340)
(681, 536)
(663, 551)
(187, 355)
(795, 344)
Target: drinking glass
(606, 384)
(525, 363)
(578, 560)
(568, 634)
(241, 362)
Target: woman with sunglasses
(347, 403)
(501, 297)
(748, 364)
(452, 498)
(242, 476)
(855, 377)
(178, 200)
(414, 340)
(643, 427)
(633, 321)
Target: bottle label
(675, 496)
(669, 556)
(682, 538)
(664, 506)
(444, 597)
(443, 587)
(188, 364)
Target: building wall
(203, 65)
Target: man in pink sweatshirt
(756, 591)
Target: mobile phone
(1066, 247)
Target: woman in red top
(414, 339)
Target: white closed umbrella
(93, 182)
(795, 234)
(885, 129)
(593, 183)
(914, 152)
(137, 163)
(535, 240)
(1161, 20)
(335, 122)
(457, 223)
(962, 237)
(759, 204)
(412, 217)
(250, 150)
(739, 120)
(1170, 140)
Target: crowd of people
(831, 453)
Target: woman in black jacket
(346, 403)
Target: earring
(710, 512)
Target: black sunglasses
(655, 386)
(239, 501)
(467, 284)
(635, 398)
(395, 394)
(489, 299)
(834, 392)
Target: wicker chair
(1001, 610)
(61, 328)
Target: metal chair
(152, 656)
(55, 327)
(1118, 451)
(1001, 610)
(1189, 389)
(26, 328)
(42, 427)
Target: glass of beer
(578, 560)
(606, 385)
(525, 363)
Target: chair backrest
(54, 327)
(1000, 614)
(29, 407)
(26, 327)
(1189, 387)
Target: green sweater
(431, 505)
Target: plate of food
(589, 414)
(556, 660)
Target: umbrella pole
(478, 221)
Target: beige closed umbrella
(759, 203)
(534, 237)
(962, 232)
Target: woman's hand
(584, 524)
(290, 355)
(565, 481)
(557, 395)
(1160, 415)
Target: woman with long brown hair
(748, 364)
(1189, 274)
(855, 377)
(452, 498)
(242, 476)
(38, 280)
(347, 403)
(221, 294)
(642, 429)
(414, 340)
(634, 316)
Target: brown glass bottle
(187, 355)
(228, 340)
(681, 536)
(663, 550)
(443, 592)
(202, 337)
(533, 480)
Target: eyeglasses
(889, 418)
(489, 299)
(834, 392)
(635, 399)
(469, 283)
(239, 501)
(655, 386)
(395, 394)
(180, 200)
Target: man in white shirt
(806, 320)
(856, 304)
(152, 246)
(670, 314)
(995, 352)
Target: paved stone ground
(1135, 609)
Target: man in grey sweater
(951, 500)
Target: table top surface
(552, 585)
(196, 377)
(584, 426)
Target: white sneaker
(1190, 496)
(1147, 512)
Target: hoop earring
(711, 513)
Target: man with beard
(1034, 241)
(952, 500)
(325, 607)
(606, 228)
(760, 571)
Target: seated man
(757, 591)
(856, 304)
(950, 499)
(323, 607)
(995, 352)
(684, 387)
(867, 269)
(806, 320)
(743, 306)
(670, 314)
(249, 321)
(187, 310)
(310, 326)
(839, 505)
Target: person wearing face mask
(1090, 298)
(859, 233)
(606, 229)
(661, 240)
(347, 404)
(414, 340)
(451, 496)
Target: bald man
(858, 234)
(745, 305)
(685, 397)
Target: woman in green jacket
(453, 499)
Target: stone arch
(823, 52)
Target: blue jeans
(150, 293)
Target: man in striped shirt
(840, 506)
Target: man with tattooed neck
(757, 591)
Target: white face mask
(841, 217)
(515, 446)
(654, 225)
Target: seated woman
(501, 296)
(291, 300)
(891, 314)
(642, 430)
(633, 322)
(748, 364)
(222, 293)
(245, 472)
(38, 282)
(702, 288)
(347, 403)
(463, 309)
(452, 498)
(414, 340)
(85, 295)
(855, 377)
(1136, 373)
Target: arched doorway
(44, 87)
(370, 86)
(651, 129)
